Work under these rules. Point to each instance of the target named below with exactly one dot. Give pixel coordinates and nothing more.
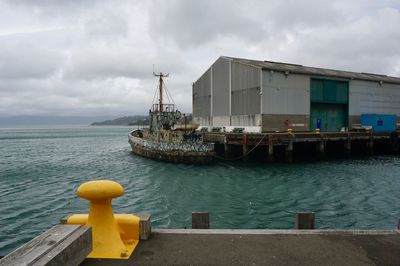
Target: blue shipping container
(379, 123)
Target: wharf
(264, 247)
(269, 146)
(282, 138)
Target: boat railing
(168, 107)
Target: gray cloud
(197, 22)
(96, 57)
(26, 56)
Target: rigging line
(169, 97)
(154, 97)
(240, 157)
(168, 93)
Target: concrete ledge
(274, 232)
(269, 247)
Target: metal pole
(161, 93)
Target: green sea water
(40, 170)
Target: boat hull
(174, 153)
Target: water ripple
(41, 169)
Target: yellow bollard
(113, 237)
(289, 130)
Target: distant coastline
(124, 121)
(37, 121)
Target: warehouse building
(264, 96)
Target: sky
(96, 58)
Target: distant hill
(124, 121)
(48, 121)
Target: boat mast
(160, 86)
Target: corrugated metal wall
(202, 96)
(285, 100)
(220, 85)
(285, 94)
(246, 98)
(368, 97)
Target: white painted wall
(221, 121)
(246, 120)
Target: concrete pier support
(245, 148)
(227, 149)
(270, 155)
(347, 147)
(320, 148)
(370, 146)
(289, 152)
(394, 142)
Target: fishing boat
(167, 138)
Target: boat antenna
(160, 76)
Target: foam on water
(40, 170)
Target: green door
(330, 117)
(329, 104)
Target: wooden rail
(60, 245)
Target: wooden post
(347, 146)
(289, 152)
(144, 225)
(200, 220)
(394, 142)
(321, 149)
(370, 146)
(305, 220)
(226, 148)
(270, 157)
(245, 157)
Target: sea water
(40, 170)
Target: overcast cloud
(96, 57)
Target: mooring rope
(240, 157)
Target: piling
(394, 142)
(320, 148)
(227, 149)
(370, 146)
(289, 152)
(270, 155)
(347, 147)
(245, 148)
